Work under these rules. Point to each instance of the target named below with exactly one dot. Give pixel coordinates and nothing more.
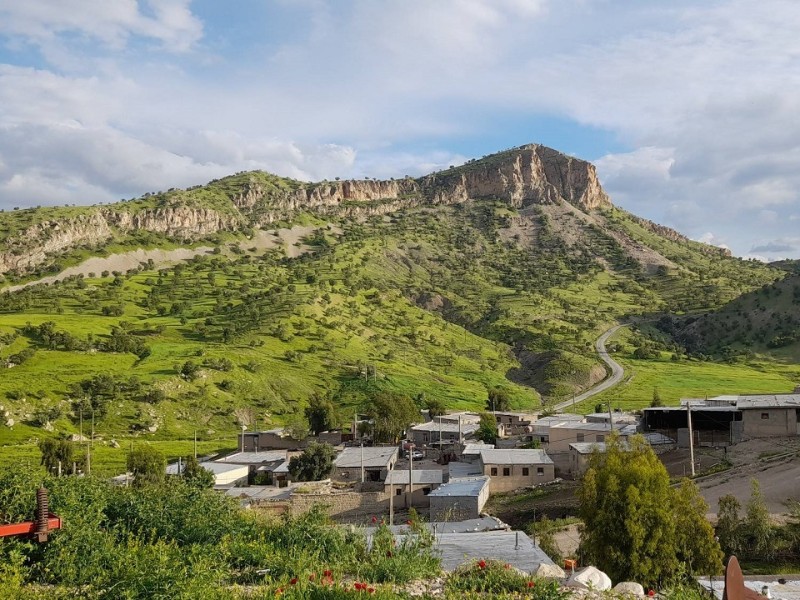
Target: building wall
(769, 422)
(560, 438)
(270, 441)
(349, 474)
(515, 479)
(448, 508)
(421, 438)
(419, 498)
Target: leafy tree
(498, 399)
(55, 451)
(729, 525)
(435, 406)
(391, 414)
(196, 475)
(631, 517)
(656, 402)
(756, 523)
(487, 429)
(297, 429)
(315, 463)
(320, 414)
(147, 465)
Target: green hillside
(437, 301)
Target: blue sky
(688, 109)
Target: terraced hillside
(500, 273)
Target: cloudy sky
(689, 109)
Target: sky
(689, 109)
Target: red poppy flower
(374, 519)
(482, 564)
(312, 577)
(506, 566)
(371, 590)
(327, 573)
(651, 593)
(359, 585)
(531, 584)
(293, 581)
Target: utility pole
(362, 461)
(391, 497)
(610, 417)
(410, 476)
(691, 434)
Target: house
(513, 423)
(425, 481)
(472, 452)
(441, 430)
(371, 463)
(462, 417)
(512, 469)
(579, 455)
(271, 439)
(541, 427)
(459, 499)
(260, 464)
(225, 476)
(770, 415)
(561, 435)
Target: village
(445, 473)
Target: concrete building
(579, 454)
(770, 415)
(262, 464)
(439, 430)
(425, 481)
(459, 499)
(375, 461)
(513, 469)
(225, 476)
(472, 452)
(270, 439)
(513, 423)
(464, 417)
(540, 429)
(561, 435)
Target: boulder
(590, 578)
(549, 571)
(629, 588)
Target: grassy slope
(432, 298)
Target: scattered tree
(147, 465)
(315, 463)
(729, 525)
(320, 413)
(656, 402)
(757, 525)
(498, 399)
(196, 475)
(57, 452)
(391, 414)
(487, 429)
(435, 406)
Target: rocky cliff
(521, 176)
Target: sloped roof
(515, 457)
(373, 456)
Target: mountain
(232, 303)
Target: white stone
(590, 578)
(629, 588)
(10, 423)
(551, 571)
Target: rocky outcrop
(524, 176)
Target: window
(526, 471)
(540, 471)
(601, 438)
(398, 491)
(426, 491)
(494, 471)
(765, 415)
(580, 437)
(506, 471)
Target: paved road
(616, 372)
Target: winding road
(616, 372)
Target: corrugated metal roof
(768, 401)
(476, 448)
(487, 523)
(253, 458)
(462, 469)
(462, 487)
(515, 457)
(374, 456)
(588, 447)
(421, 476)
(446, 427)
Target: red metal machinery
(41, 527)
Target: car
(415, 454)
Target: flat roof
(587, 426)
(421, 476)
(588, 447)
(515, 457)
(446, 427)
(462, 487)
(487, 523)
(373, 456)
(253, 458)
(512, 547)
(461, 469)
(768, 401)
(476, 448)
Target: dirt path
(616, 372)
(287, 238)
